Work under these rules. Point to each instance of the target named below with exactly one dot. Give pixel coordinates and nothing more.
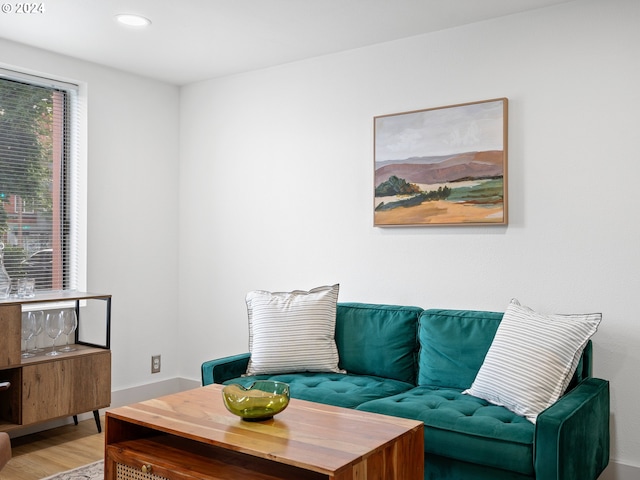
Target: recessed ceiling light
(132, 20)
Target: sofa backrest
(454, 343)
(378, 340)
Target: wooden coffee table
(190, 435)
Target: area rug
(92, 471)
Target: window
(38, 180)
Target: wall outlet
(155, 364)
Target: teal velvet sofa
(414, 363)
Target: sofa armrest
(572, 435)
(223, 369)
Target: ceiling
(192, 40)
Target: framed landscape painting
(442, 166)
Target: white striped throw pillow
(532, 359)
(292, 331)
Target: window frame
(77, 170)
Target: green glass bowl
(260, 401)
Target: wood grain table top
(310, 435)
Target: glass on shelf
(26, 287)
(53, 327)
(38, 318)
(28, 329)
(69, 325)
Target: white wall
(276, 179)
(132, 206)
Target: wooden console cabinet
(44, 387)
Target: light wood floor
(53, 451)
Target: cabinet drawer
(128, 466)
(151, 464)
(127, 472)
(65, 387)
(167, 457)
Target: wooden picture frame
(442, 166)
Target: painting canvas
(442, 166)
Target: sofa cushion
(532, 359)
(336, 389)
(292, 331)
(453, 344)
(464, 427)
(378, 340)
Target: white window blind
(38, 180)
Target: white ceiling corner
(192, 40)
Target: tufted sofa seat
(465, 427)
(413, 363)
(341, 390)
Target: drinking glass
(69, 325)
(28, 328)
(38, 318)
(53, 327)
(26, 288)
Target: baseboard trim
(620, 471)
(140, 393)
